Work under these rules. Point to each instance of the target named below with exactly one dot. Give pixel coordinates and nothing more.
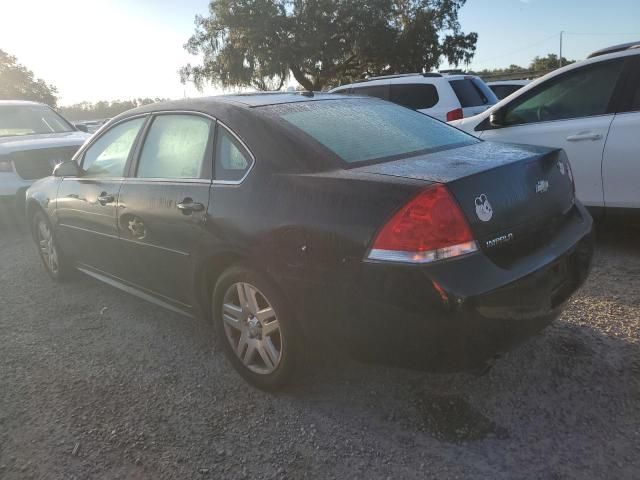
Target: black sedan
(286, 218)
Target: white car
(591, 109)
(504, 88)
(442, 96)
(33, 139)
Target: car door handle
(188, 206)
(584, 136)
(105, 198)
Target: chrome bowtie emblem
(542, 186)
(483, 208)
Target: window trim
(79, 157)
(206, 174)
(245, 148)
(610, 110)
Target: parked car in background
(33, 140)
(287, 217)
(591, 109)
(443, 96)
(504, 88)
(91, 126)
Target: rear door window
(470, 93)
(416, 96)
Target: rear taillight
(5, 165)
(456, 114)
(430, 227)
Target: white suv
(442, 96)
(590, 109)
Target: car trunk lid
(514, 197)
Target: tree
(18, 83)
(103, 109)
(550, 62)
(537, 67)
(260, 43)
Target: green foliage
(18, 83)
(550, 62)
(260, 43)
(538, 66)
(103, 109)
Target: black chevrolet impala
(286, 218)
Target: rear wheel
(255, 328)
(54, 261)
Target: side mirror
(82, 127)
(67, 169)
(496, 119)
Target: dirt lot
(97, 384)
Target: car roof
(246, 100)
(224, 106)
(15, 103)
(615, 48)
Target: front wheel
(54, 261)
(254, 326)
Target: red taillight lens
(456, 114)
(430, 227)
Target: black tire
(288, 337)
(60, 269)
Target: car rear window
(379, 91)
(471, 93)
(503, 91)
(417, 96)
(361, 130)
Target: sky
(121, 49)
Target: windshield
(363, 130)
(30, 120)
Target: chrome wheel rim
(252, 328)
(47, 246)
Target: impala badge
(542, 186)
(483, 208)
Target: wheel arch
(207, 274)
(31, 208)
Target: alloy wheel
(252, 328)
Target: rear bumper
(456, 314)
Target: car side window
(583, 92)
(232, 160)
(416, 96)
(108, 156)
(175, 147)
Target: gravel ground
(95, 383)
